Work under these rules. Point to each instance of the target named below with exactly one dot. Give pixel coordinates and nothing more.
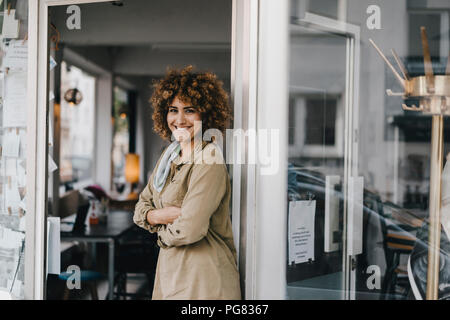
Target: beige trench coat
(197, 259)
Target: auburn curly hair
(200, 89)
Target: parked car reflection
(388, 237)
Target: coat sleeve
(145, 204)
(206, 189)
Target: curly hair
(200, 89)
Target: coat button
(178, 231)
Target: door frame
(37, 148)
(269, 220)
(243, 92)
(244, 57)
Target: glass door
(357, 201)
(324, 194)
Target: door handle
(355, 216)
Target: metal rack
(433, 93)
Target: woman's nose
(180, 118)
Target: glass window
(320, 121)
(316, 163)
(77, 124)
(13, 151)
(360, 155)
(121, 137)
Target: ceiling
(142, 37)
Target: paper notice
(21, 176)
(2, 202)
(51, 164)
(10, 28)
(301, 231)
(11, 144)
(14, 100)
(52, 63)
(16, 56)
(10, 251)
(12, 196)
(23, 205)
(2, 84)
(11, 168)
(23, 143)
(17, 288)
(22, 223)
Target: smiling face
(181, 118)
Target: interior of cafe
(102, 147)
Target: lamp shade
(132, 168)
(73, 96)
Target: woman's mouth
(181, 133)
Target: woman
(187, 198)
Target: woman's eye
(173, 110)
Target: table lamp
(132, 172)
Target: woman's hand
(163, 216)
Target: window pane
(77, 124)
(320, 121)
(373, 149)
(121, 136)
(13, 151)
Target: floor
(136, 283)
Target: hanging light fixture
(73, 96)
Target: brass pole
(434, 231)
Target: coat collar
(198, 147)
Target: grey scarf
(164, 165)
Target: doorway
(124, 59)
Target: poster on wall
(14, 101)
(301, 231)
(16, 56)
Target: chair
(397, 242)
(88, 278)
(137, 253)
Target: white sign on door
(301, 230)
